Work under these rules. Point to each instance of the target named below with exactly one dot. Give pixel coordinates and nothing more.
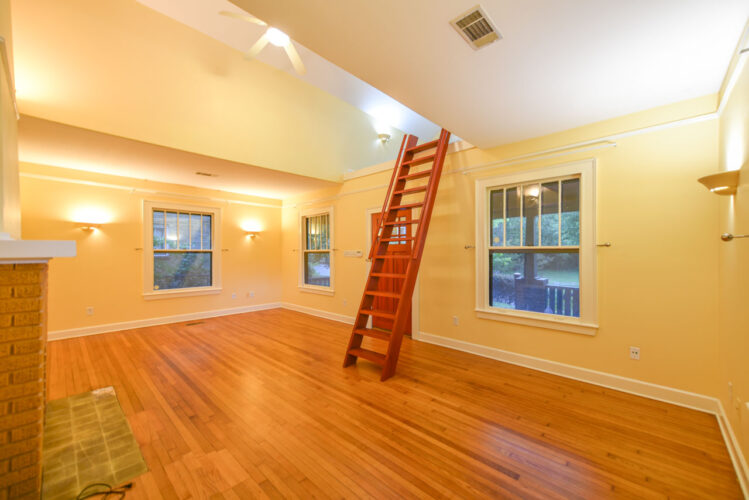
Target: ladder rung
(423, 147)
(403, 222)
(389, 275)
(419, 161)
(392, 256)
(374, 357)
(397, 239)
(417, 175)
(418, 189)
(377, 312)
(375, 334)
(391, 295)
(407, 206)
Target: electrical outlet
(234, 295)
(345, 302)
(730, 391)
(252, 294)
(90, 311)
(456, 321)
(634, 353)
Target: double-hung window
(537, 252)
(316, 250)
(181, 254)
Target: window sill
(538, 320)
(182, 292)
(316, 289)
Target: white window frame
(303, 215)
(148, 291)
(587, 323)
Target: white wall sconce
(723, 183)
(384, 138)
(251, 228)
(88, 226)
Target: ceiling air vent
(206, 174)
(476, 28)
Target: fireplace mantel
(32, 251)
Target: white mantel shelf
(28, 251)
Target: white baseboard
(734, 450)
(140, 323)
(342, 318)
(625, 384)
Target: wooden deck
(257, 405)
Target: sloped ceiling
(561, 64)
(120, 68)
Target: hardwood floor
(257, 405)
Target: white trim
(141, 323)
(587, 322)
(152, 192)
(216, 227)
(734, 450)
(625, 384)
(341, 318)
(311, 212)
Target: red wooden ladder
(415, 175)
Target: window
(181, 255)
(316, 250)
(537, 249)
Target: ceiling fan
(273, 36)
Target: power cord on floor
(105, 491)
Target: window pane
(497, 202)
(550, 214)
(158, 229)
(512, 214)
(325, 223)
(171, 230)
(535, 281)
(317, 268)
(571, 212)
(317, 232)
(530, 215)
(207, 241)
(181, 270)
(184, 231)
(195, 237)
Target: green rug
(87, 439)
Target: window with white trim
(180, 249)
(535, 237)
(316, 255)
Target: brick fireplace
(23, 338)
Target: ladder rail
(393, 179)
(426, 210)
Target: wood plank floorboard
(257, 405)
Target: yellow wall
(10, 210)
(658, 283)
(734, 263)
(107, 272)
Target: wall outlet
(345, 302)
(90, 311)
(634, 353)
(456, 321)
(234, 295)
(252, 294)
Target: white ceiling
(561, 64)
(203, 16)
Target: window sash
(158, 211)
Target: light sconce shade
(384, 138)
(87, 226)
(251, 228)
(723, 183)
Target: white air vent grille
(476, 28)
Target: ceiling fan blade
(255, 49)
(296, 61)
(244, 17)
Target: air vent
(476, 28)
(206, 174)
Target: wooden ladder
(415, 174)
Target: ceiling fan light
(277, 37)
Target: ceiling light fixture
(277, 37)
(384, 138)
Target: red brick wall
(23, 336)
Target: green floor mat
(87, 439)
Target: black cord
(118, 492)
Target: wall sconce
(251, 228)
(251, 234)
(87, 226)
(384, 138)
(723, 183)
